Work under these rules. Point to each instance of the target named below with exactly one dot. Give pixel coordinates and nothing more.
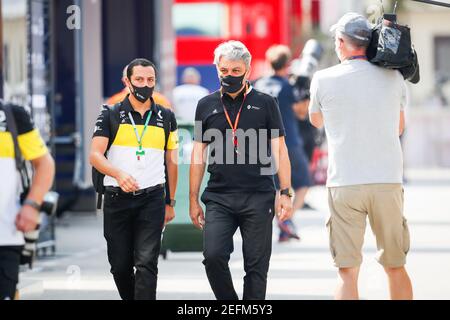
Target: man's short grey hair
(233, 50)
(353, 43)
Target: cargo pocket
(330, 241)
(406, 236)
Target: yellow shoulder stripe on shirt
(172, 144)
(154, 137)
(6, 145)
(31, 145)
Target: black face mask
(142, 94)
(232, 84)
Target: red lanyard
(236, 122)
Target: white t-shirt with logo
(361, 105)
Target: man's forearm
(195, 180)
(172, 171)
(99, 162)
(44, 173)
(316, 119)
(197, 170)
(283, 165)
(284, 172)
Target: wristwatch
(33, 204)
(287, 192)
(171, 203)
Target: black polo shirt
(252, 169)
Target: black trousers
(132, 229)
(9, 271)
(252, 213)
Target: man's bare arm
(98, 160)
(316, 119)
(44, 173)
(197, 171)
(172, 171)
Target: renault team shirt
(252, 168)
(32, 147)
(122, 153)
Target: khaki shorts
(349, 207)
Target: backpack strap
(20, 162)
(114, 123)
(12, 128)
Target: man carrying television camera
(361, 107)
(17, 219)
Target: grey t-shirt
(361, 105)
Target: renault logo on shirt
(249, 107)
(159, 114)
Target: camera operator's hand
(27, 219)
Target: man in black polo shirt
(243, 129)
(135, 208)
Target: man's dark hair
(139, 62)
(280, 63)
(278, 56)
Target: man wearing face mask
(120, 96)
(243, 129)
(136, 207)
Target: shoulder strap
(20, 162)
(114, 122)
(12, 127)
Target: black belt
(135, 193)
